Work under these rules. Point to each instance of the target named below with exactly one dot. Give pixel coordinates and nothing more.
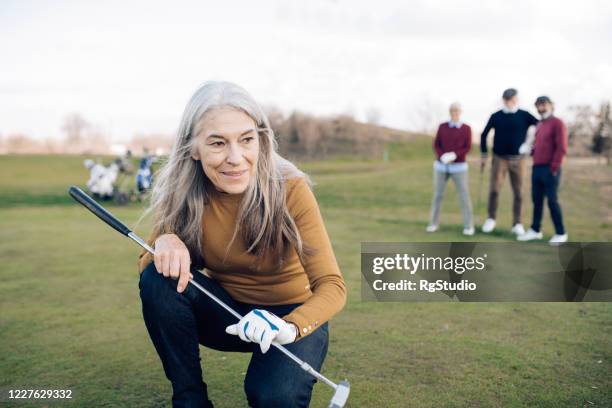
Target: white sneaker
(468, 231)
(530, 235)
(431, 228)
(558, 239)
(489, 225)
(518, 229)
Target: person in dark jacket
(548, 152)
(510, 125)
(452, 143)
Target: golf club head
(341, 395)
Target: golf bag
(102, 179)
(144, 177)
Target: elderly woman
(451, 145)
(227, 202)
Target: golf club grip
(98, 210)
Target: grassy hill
(70, 311)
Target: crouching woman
(228, 203)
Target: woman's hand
(262, 327)
(172, 259)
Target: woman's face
(227, 144)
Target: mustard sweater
(317, 283)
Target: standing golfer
(510, 125)
(549, 149)
(227, 202)
(451, 144)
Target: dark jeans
(545, 184)
(179, 323)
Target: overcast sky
(130, 66)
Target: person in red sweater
(451, 144)
(549, 150)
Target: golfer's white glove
(525, 148)
(262, 327)
(448, 157)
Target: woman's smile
(234, 174)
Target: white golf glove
(448, 157)
(262, 327)
(525, 148)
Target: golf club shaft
(479, 203)
(304, 365)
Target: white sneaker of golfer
(262, 327)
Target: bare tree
(275, 115)
(602, 139)
(74, 126)
(278, 122)
(581, 130)
(307, 136)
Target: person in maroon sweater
(453, 136)
(549, 150)
(451, 144)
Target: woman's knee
(156, 292)
(280, 382)
(148, 278)
(287, 394)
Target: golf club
(479, 202)
(342, 389)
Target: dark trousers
(545, 184)
(179, 322)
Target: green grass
(70, 311)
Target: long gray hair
(182, 189)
